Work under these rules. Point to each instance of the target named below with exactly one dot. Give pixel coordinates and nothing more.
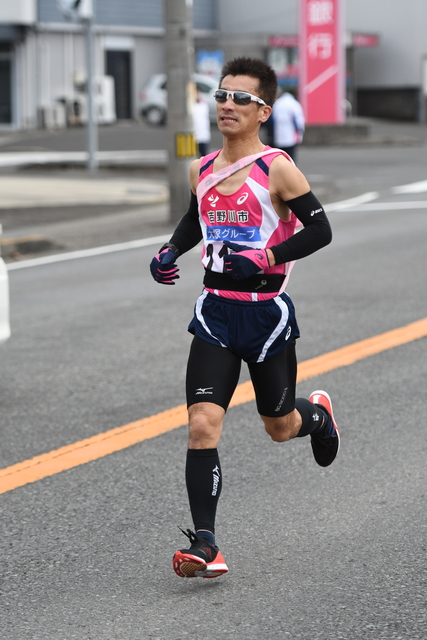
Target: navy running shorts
(254, 331)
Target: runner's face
(234, 119)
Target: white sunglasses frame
(231, 94)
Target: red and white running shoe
(201, 560)
(326, 442)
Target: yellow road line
(103, 444)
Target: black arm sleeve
(316, 233)
(188, 232)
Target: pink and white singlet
(246, 217)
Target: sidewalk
(35, 191)
(50, 211)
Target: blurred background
(43, 69)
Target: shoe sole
(186, 565)
(315, 398)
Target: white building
(43, 56)
(43, 59)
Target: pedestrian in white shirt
(202, 125)
(288, 124)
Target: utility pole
(92, 130)
(179, 56)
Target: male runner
(247, 224)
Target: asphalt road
(313, 554)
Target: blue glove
(163, 267)
(245, 262)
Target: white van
(4, 301)
(153, 97)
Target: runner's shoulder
(286, 180)
(194, 174)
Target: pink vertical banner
(322, 61)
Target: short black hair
(255, 68)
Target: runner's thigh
(274, 382)
(212, 373)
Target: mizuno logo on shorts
(203, 392)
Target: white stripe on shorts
(200, 318)
(278, 330)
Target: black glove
(163, 267)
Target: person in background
(202, 125)
(288, 124)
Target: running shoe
(325, 444)
(201, 560)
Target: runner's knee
(205, 421)
(282, 428)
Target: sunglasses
(238, 97)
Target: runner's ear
(264, 113)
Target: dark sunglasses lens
(240, 97)
(220, 96)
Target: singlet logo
(213, 200)
(243, 198)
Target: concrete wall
(402, 27)
(246, 16)
(392, 104)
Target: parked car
(153, 97)
(4, 301)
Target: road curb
(14, 247)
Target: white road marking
(88, 253)
(390, 206)
(351, 202)
(413, 187)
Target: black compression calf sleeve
(311, 414)
(204, 481)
